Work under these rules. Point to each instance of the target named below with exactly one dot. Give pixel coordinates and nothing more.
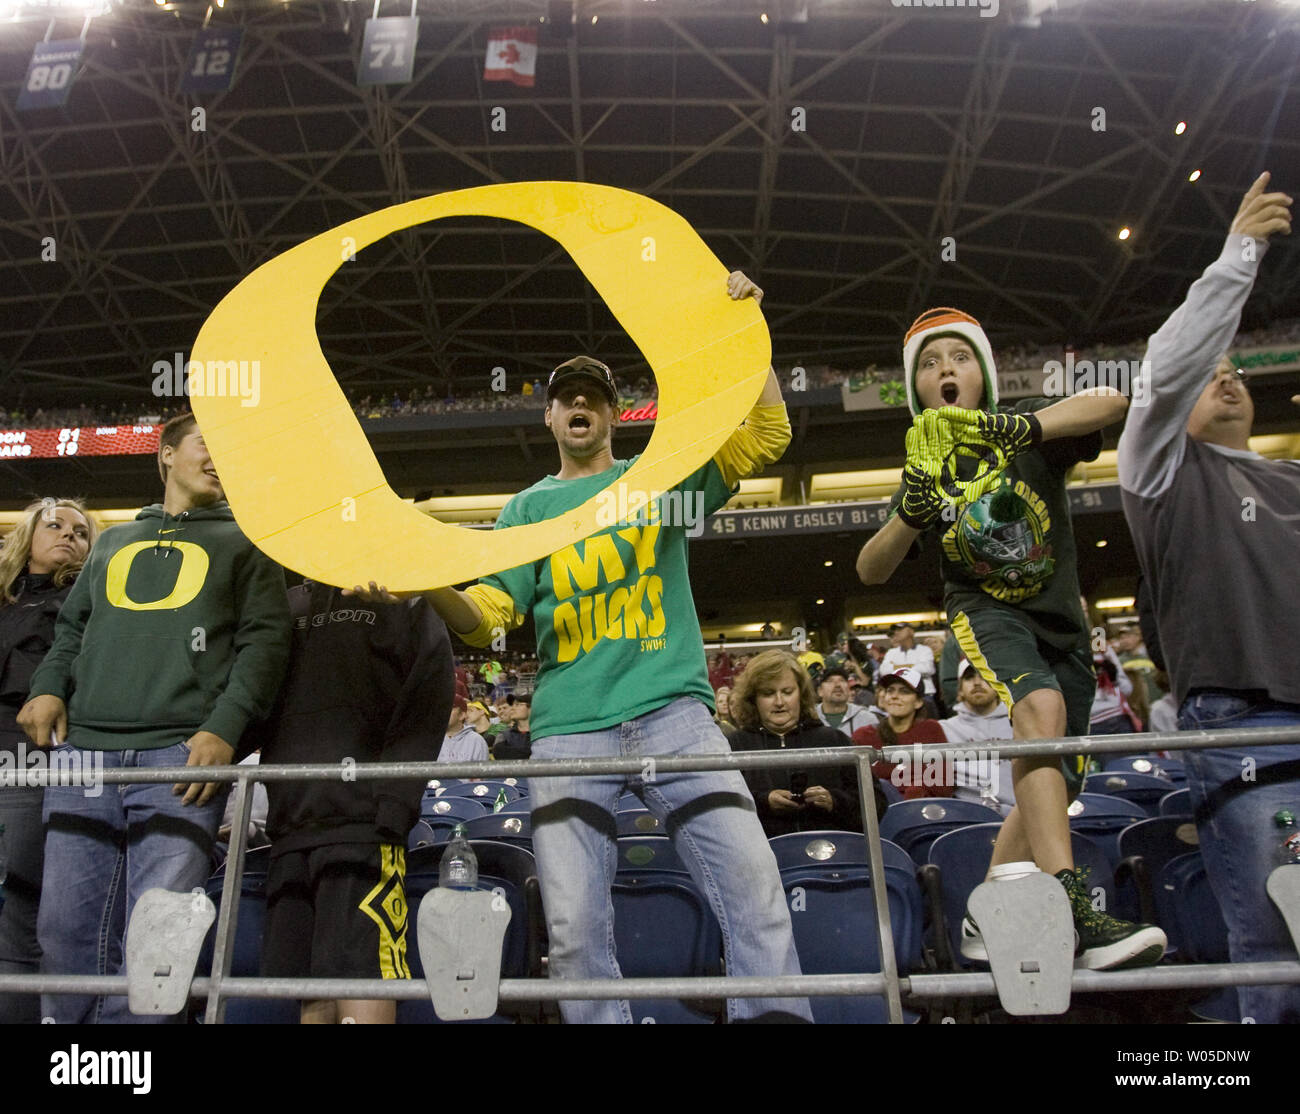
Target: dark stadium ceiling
(920, 124)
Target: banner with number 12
(210, 67)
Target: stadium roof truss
(861, 164)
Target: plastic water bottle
(4, 865)
(458, 869)
(1288, 846)
(501, 800)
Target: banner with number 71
(210, 68)
(388, 50)
(50, 73)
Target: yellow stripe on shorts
(961, 628)
(386, 906)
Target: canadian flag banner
(511, 55)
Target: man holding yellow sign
(623, 674)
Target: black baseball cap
(894, 627)
(833, 671)
(584, 367)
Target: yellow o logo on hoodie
(193, 571)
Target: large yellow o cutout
(298, 471)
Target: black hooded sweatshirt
(840, 781)
(366, 683)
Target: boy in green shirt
(1010, 584)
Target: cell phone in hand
(798, 785)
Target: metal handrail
(221, 985)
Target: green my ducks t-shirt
(617, 632)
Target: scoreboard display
(103, 440)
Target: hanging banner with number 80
(50, 73)
(388, 50)
(210, 67)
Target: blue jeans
(102, 852)
(1234, 819)
(20, 813)
(711, 818)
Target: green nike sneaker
(1105, 942)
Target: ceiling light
(1193, 175)
(1102, 544)
(828, 564)
(1125, 233)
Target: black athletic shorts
(1015, 662)
(337, 911)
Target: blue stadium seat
(1101, 818)
(1177, 803)
(891, 792)
(963, 858)
(827, 881)
(1171, 769)
(1144, 849)
(503, 827)
(1139, 789)
(484, 791)
(637, 822)
(246, 960)
(916, 824)
(1188, 911)
(447, 812)
(663, 926)
(501, 867)
(628, 802)
(423, 834)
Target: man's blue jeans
(102, 851)
(711, 818)
(1235, 802)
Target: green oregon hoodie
(177, 624)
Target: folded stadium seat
(447, 812)
(629, 802)
(246, 960)
(827, 881)
(501, 867)
(424, 834)
(1188, 911)
(1177, 803)
(502, 827)
(663, 927)
(484, 791)
(914, 825)
(962, 860)
(636, 822)
(1140, 789)
(1101, 818)
(1171, 769)
(1144, 849)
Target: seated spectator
(835, 710)
(906, 724)
(514, 743)
(980, 717)
(480, 719)
(908, 653)
(775, 710)
(1111, 713)
(1164, 712)
(722, 717)
(462, 743)
(257, 836)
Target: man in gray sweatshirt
(1213, 521)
